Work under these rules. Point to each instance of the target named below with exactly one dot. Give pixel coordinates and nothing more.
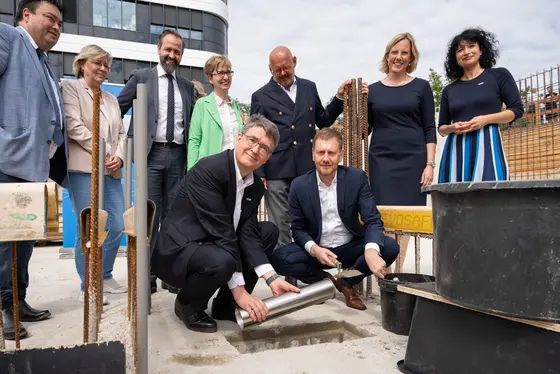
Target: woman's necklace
(396, 84)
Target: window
(129, 16)
(6, 7)
(115, 14)
(100, 13)
(184, 33)
(70, 11)
(116, 74)
(196, 35)
(156, 29)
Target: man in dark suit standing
(293, 104)
(326, 206)
(32, 146)
(211, 238)
(171, 101)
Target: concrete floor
(54, 285)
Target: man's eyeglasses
(251, 141)
(223, 73)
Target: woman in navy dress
(402, 121)
(471, 109)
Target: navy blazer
(296, 123)
(202, 213)
(355, 201)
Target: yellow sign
(407, 218)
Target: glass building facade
(130, 21)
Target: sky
(335, 40)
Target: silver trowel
(348, 273)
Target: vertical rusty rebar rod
(94, 223)
(359, 125)
(15, 299)
(346, 123)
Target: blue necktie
(57, 136)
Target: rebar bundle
(355, 126)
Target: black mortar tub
(397, 308)
(497, 246)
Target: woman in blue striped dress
(471, 109)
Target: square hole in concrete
(259, 340)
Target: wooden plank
(407, 218)
(427, 291)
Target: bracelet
(271, 279)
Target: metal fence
(532, 143)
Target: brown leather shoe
(352, 298)
(337, 282)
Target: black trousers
(166, 168)
(210, 268)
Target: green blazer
(205, 133)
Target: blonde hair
(89, 52)
(415, 55)
(214, 62)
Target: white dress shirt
(55, 87)
(161, 130)
(230, 126)
(333, 232)
(242, 183)
(292, 92)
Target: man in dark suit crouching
(334, 216)
(211, 238)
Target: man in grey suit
(171, 100)
(32, 146)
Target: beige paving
(174, 349)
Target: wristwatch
(432, 164)
(271, 279)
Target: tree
(244, 108)
(525, 93)
(437, 87)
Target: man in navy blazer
(334, 216)
(293, 104)
(32, 145)
(168, 127)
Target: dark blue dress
(477, 155)
(402, 122)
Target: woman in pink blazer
(91, 68)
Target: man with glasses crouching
(211, 238)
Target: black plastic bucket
(397, 307)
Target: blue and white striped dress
(478, 155)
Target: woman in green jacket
(216, 118)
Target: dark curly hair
(488, 46)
